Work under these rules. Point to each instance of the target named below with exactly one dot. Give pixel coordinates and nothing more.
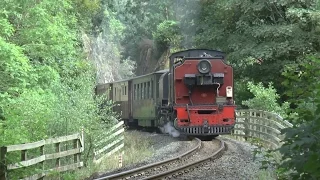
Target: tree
(265, 99)
(273, 33)
(47, 84)
(301, 143)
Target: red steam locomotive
(194, 97)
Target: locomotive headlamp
(204, 66)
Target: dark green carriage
(137, 98)
(145, 99)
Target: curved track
(171, 168)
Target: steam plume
(169, 129)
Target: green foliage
(47, 85)
(267, 158)
(141, 18)
(15, 70)
(301, 143)
(279, 35)
(7, 29)
(167, 34)
(241, 92)
(276, 32)
(301, 150)
(265, 99)
(28, 114)
(50, 29)
(302, 84)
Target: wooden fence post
(23, 155)
(76, 157)
(82, 137)
(246, 127)
(120, 159)
(42, 163)
(3, 166)
(58, 163)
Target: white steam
(169, 129)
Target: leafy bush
(265, 99)
(47, 85)
(300, 151)
(167, 34)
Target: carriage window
(134, 92)
(151, 88)
(145, 90)
(138, 92)
(148, 90)
(142, 91)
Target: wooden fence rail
(259, 124)
(250, 123)
(78, 147)
(113, 142)
(61, 158)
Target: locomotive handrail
(263, 125)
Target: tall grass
(266, 175)
(137, 148)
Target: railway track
(177, 166)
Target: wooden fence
(62, 158)
(250, 123)
(25, 161)
(113, 142)
(265, 126)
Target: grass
(137, 148)
(266, 175)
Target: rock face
(150, 59)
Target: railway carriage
(145, 97)
(195, 94)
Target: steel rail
(178, 170)
(149, 166)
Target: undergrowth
(137, 148)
